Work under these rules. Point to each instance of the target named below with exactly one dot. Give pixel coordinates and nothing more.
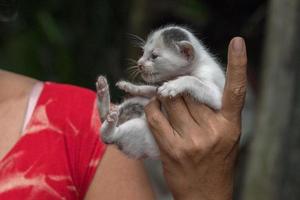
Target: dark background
(73, 41)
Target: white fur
(103, 97)
(200, 77)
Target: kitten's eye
(154, 56)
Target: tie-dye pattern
(57, 156)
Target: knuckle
(215, 140)
(212, 140)
(153, 118)
(178, 155)
(150, 106)
(240, 91)
(238, 94)
(193, 148)
(148, 109)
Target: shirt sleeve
(83, 143)
(92, 150)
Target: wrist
(222, 192)
(205, 197)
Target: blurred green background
(75, 41)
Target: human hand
(199, 145)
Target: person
(50, 147)
(56, 153)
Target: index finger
(236, 80)
(200, 112)
(159, 126)
(178, 115)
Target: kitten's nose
(141, 67)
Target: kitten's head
(168, 52)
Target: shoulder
(14, 85)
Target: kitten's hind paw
(168, 90)
(113, 115)
(101, 86)
(108, 127)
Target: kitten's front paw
(127, 87)
(168, 89)
(123, 85)
(101, 86)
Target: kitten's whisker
(139, 45)
(131, 77)
(132, 67)
(136, 38)
(132, 72)
(137, 41)
(135, 74)
(132, 61)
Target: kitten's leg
(135, 139)
(137, 90)
(103, 97)
(201, 90)
(109, 126)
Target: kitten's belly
(132, 108)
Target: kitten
(174, 62)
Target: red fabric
(58, 154)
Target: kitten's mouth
(149, 76)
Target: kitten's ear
(186, 49)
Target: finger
(159, 126)
(178, 114)
(200, 112)
(236, 80)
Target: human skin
(117, 176)
(199, 145)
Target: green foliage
(73, 40)
(195, 10)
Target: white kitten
(174, 63)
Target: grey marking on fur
(173, 35)
(130, 111)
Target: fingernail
(238, 45)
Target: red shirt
(57, 156)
